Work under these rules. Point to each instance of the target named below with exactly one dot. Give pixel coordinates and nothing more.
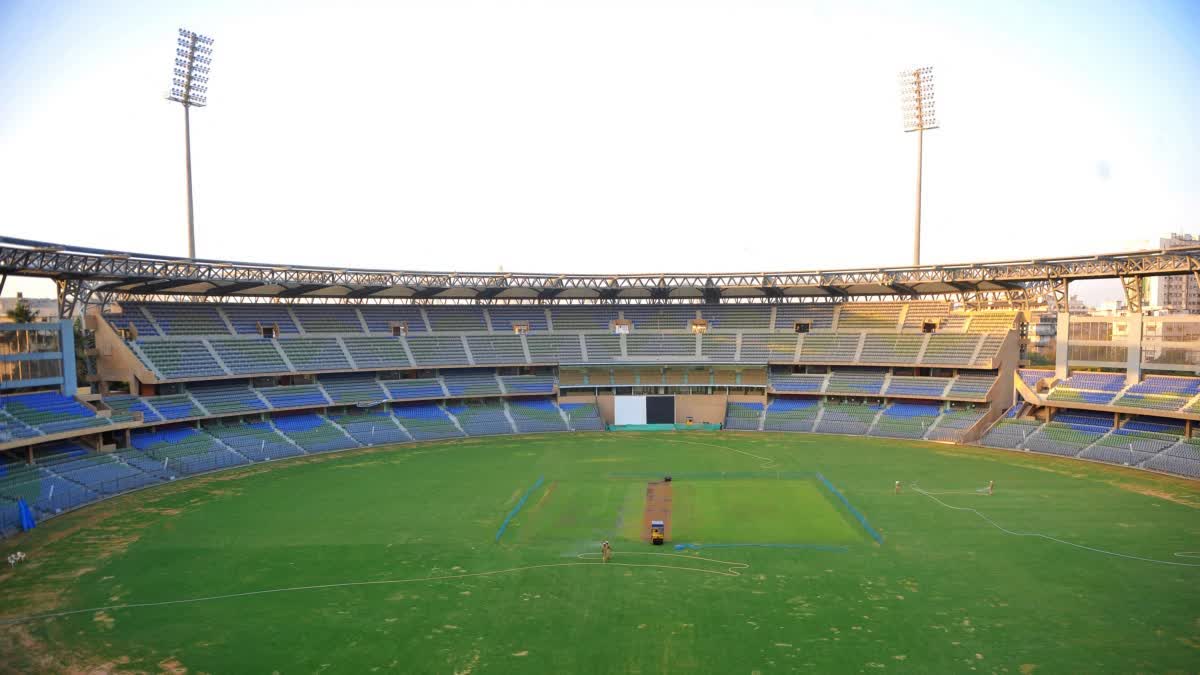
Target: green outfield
(386, 560)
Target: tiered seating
(503, 317)
(906, 420)
(659, 317)
(1159, 392)
(377, 352)
(432, 350)
(257, 441)
(313, 433)
(223, 397)
(1061, 393)
(674, 347)
(804, 384)
(770, 347)
(423, 388)
(991, 322)
(528, 384)
(46, 493)
(380, 318)
(311, 354)
(328, 318)
(532, 416)
(819, 314)
(426, 422)
(954, 422)
(554, 348)
(481, 419)
(855, 383)
(583, 318)
(989, 350)
(294, 396)
(496, 349)
(132, 315)
(950, 349)
(1128, 447)
(352, 388)
(835, 347)
(603, 347)
(972, 386)
(1068, 434)
(11, 427)
(1010, 432)
(920, 312)
(891, 348)
(180, 358)
(451, 319)
(717, 347)
(49, 412)
(185, 451)
(745, 416)
(737, 317)
(1031, 376)
(1099, 388)
(787, 414)
(187, 319)
(583, 416)
(1182, 458)
(249, 355)
(904, 385)
(104, 474)
(471, 382)
(126, 404)
(870, 316)
(847, 418)
(174, 406)
(247, 318)
(377, 428)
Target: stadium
(227, 463)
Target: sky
(602, 137)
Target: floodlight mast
(189, 87)
(916, 102)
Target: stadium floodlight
(189, 87)
(916, 103)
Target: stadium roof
(121, 274)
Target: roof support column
(1062, 335)
(1133, 348)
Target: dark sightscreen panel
(660, 410)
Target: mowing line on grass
(767, 462)
(733, 570)
(989, 521)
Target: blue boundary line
(862, 520)
(513, 514)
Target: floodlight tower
(189, 87)
(916, 102)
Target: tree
(22, 312)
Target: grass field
(413, 529)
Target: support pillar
(1062, 344)
(1133, 349)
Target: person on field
(606, 550)
(991, 486)
(897, 487)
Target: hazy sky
(619, 136)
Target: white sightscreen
(630, 410)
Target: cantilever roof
(128, 273)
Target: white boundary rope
(989, 521)
(733, 570)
